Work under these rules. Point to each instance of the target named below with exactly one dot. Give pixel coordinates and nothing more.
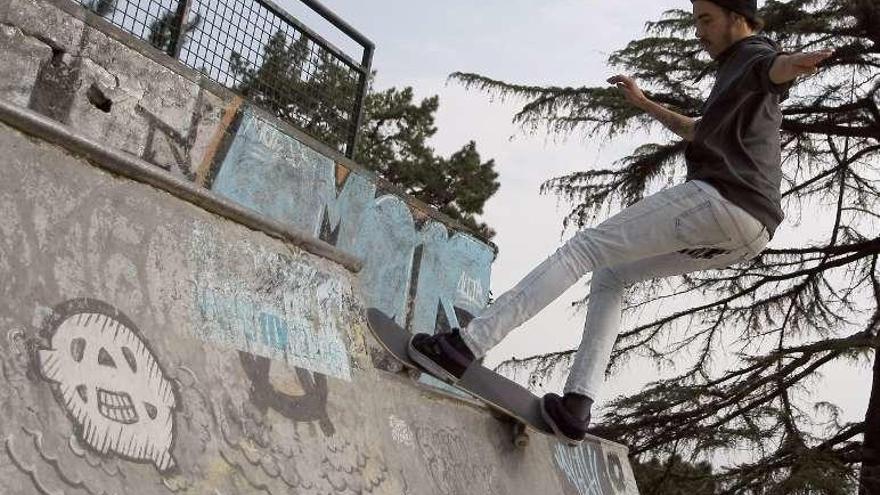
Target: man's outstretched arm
(788, 67)
(675, 122)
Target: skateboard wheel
(520, 435)
(414, 373)
(395, 367)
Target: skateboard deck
(506, 397)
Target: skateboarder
(725, 212)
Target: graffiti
(272, 173)
(344, 469)
(401, 432)
(263, 458)
(177, 145)
(413, 274)
(616, 472)
(311, 405)
(293, 340)
(284, 309)
(596, 469)
(581, 467)
(415, 270)
(454, 467)
(471, 290)
(109, 382)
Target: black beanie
(748, 8)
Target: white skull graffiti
(112, 387)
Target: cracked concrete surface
(56, 65)
(46, 23)
(21, 57)
(80, 245)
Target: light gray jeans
(680, 229)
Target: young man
(726, 212)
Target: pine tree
(278, 83)
(101, 7)
(317, 94)
(164, 31)
(781, 318)
(674, 476)
(394, 143)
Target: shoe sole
(559, 434)
(430, 366)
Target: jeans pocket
(699, 226)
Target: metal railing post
(360, 102)
(179, 29)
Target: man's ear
(741, 20)
(738, 19)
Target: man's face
(715, 27)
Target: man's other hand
(788, 67)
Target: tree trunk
(870, 474)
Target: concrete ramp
(187, 315)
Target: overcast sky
(559, 42)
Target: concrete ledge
(136, 169)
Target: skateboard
(509, 401)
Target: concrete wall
(153, 347)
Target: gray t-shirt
(736, 145)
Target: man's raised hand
(630, 89)
(675, 122)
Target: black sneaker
(444, 355)
(567, 426)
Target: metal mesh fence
(141, 18)
(255, 48)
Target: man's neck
(739, 36)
